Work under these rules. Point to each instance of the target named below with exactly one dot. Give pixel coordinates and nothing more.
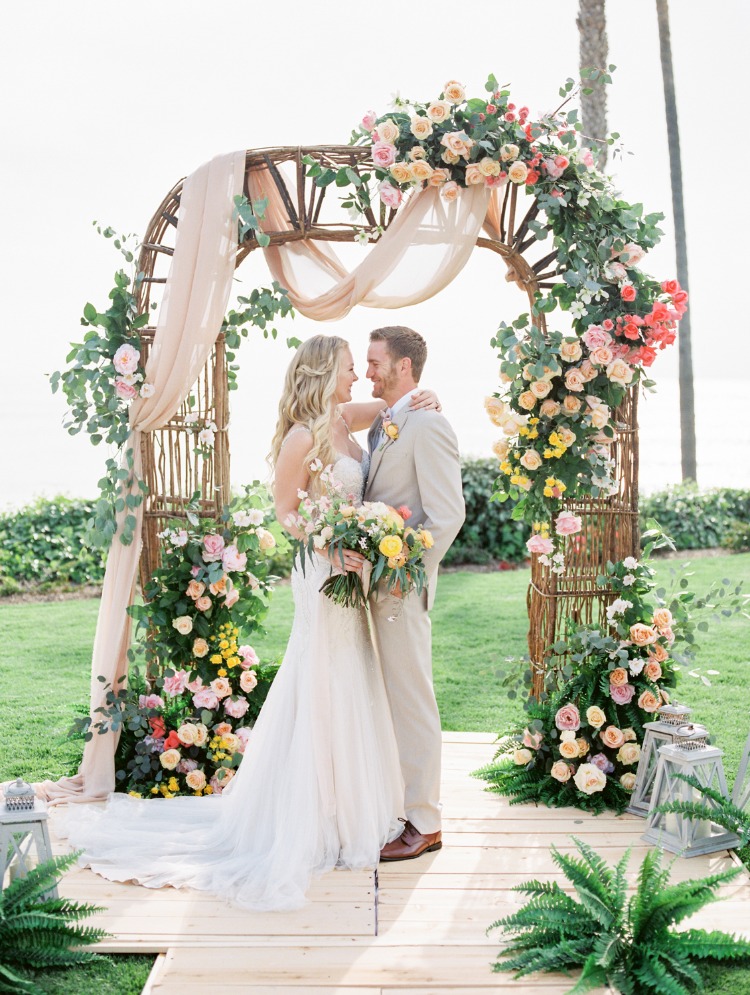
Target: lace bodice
(351, 474)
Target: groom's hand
(353, 561)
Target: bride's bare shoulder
(298, 436)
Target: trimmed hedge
(41, 545)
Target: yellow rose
(518, 172)
(391, 430)
(437, 112)
(401, 172)
(169, 759)
(387, 131)
(454, 92)
(421, 170)
(421, 127)
(200, 647)
(390, 546)
(426, 538)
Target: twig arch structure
(173, 471)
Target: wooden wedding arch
(173, 471)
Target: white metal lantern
(19, 796)
(657, 734)
(689, 754)
(741, 792)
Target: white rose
(589, 779)
(169, 759)
(183, 624)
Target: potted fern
(38, 932)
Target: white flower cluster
(618, 607)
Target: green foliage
(489, 532)
(44, 545)
(628, 943)
(37, 931)
(717, 809)
(737, 538)
(698, 519)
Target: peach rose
(649, 702)
(568, 437)
(643, 635)
(658, 653)
(618, 676)
(219, 587)
(501, 448)
(629, 753)
(451, 158)
(169, 759)
(612, 737)
(388, 131)
(602, 356)
(595, 716)
(200, 648)
(203, 604)
(550, 408)
(652, 670)
(540, 388)
(195, 589)
(531, 460)
(571, 404)
(569, 749)
(454, 92)
(266, 539)
(183, 624)
(221, 687)
(248, 680)
(589, 779)
(570, 350)
(583, 746)
(449, 190)
(628, 781)
(401, 172)
(509, 152)
(421, 127)
(416, 152)
(527, 400)
(473, 175)
(522, 756)
(630, 736)
(196, 780)
(663, 618)
(618, 371)
(438, 177)
(588, 370)
(574, 379)
(599, 416)
(201, 734)
(489, 167)
(518, 172)
(187, 734)
(421, 170)
(561, 771)
(457, 142)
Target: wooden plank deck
(420, 931)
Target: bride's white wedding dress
(319, 786)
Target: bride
(320, 783)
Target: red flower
(628, 292)
(491, 109)
(172, 741)
(532, 177)
(158, 729)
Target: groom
(415, 464)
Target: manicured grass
(478, 621)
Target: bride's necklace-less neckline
(351, 442)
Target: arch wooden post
(173, 471)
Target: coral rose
(618, 676)
(643, 635)
(612, 737)
(628, 292)
(595, 716)
(561, 771)
(589, 779)
(649, 702)
(568, 717)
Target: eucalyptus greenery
(37, 931)
(629, 943)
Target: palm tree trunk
(687, 392)
(593, 53)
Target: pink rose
(205, 698)
(125, 360)
(233, 596)
(628, 292)
(567, 524)
(203, 604)
(124, 391)
(150, 701)
(532, 739)
(368, 121)
(176, 684)
(213, 547)
(391, 196)
(236, 707)
(233, 559)
(383, 154)
(621, 694)
(568, 717)
(248, 681)
(195, 570)
(540, 544)
(195, 685)
(248, 657)
(243, 734)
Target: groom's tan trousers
(403, 638)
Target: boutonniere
(391, 430)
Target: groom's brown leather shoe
(410, 844)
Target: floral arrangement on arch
(185, 720)
(582, 743)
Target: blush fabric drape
(420, 253)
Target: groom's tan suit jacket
(420, 469)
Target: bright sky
(108, 106)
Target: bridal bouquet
(392, 550)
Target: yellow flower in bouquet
(425, 537)
(390, 546)
(394, 562)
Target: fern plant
(723, 812)
(628, 943)
(41, 932)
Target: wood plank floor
(420, 930)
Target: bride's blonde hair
(309, 387)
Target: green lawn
(479, 620)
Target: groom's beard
(387, 387)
